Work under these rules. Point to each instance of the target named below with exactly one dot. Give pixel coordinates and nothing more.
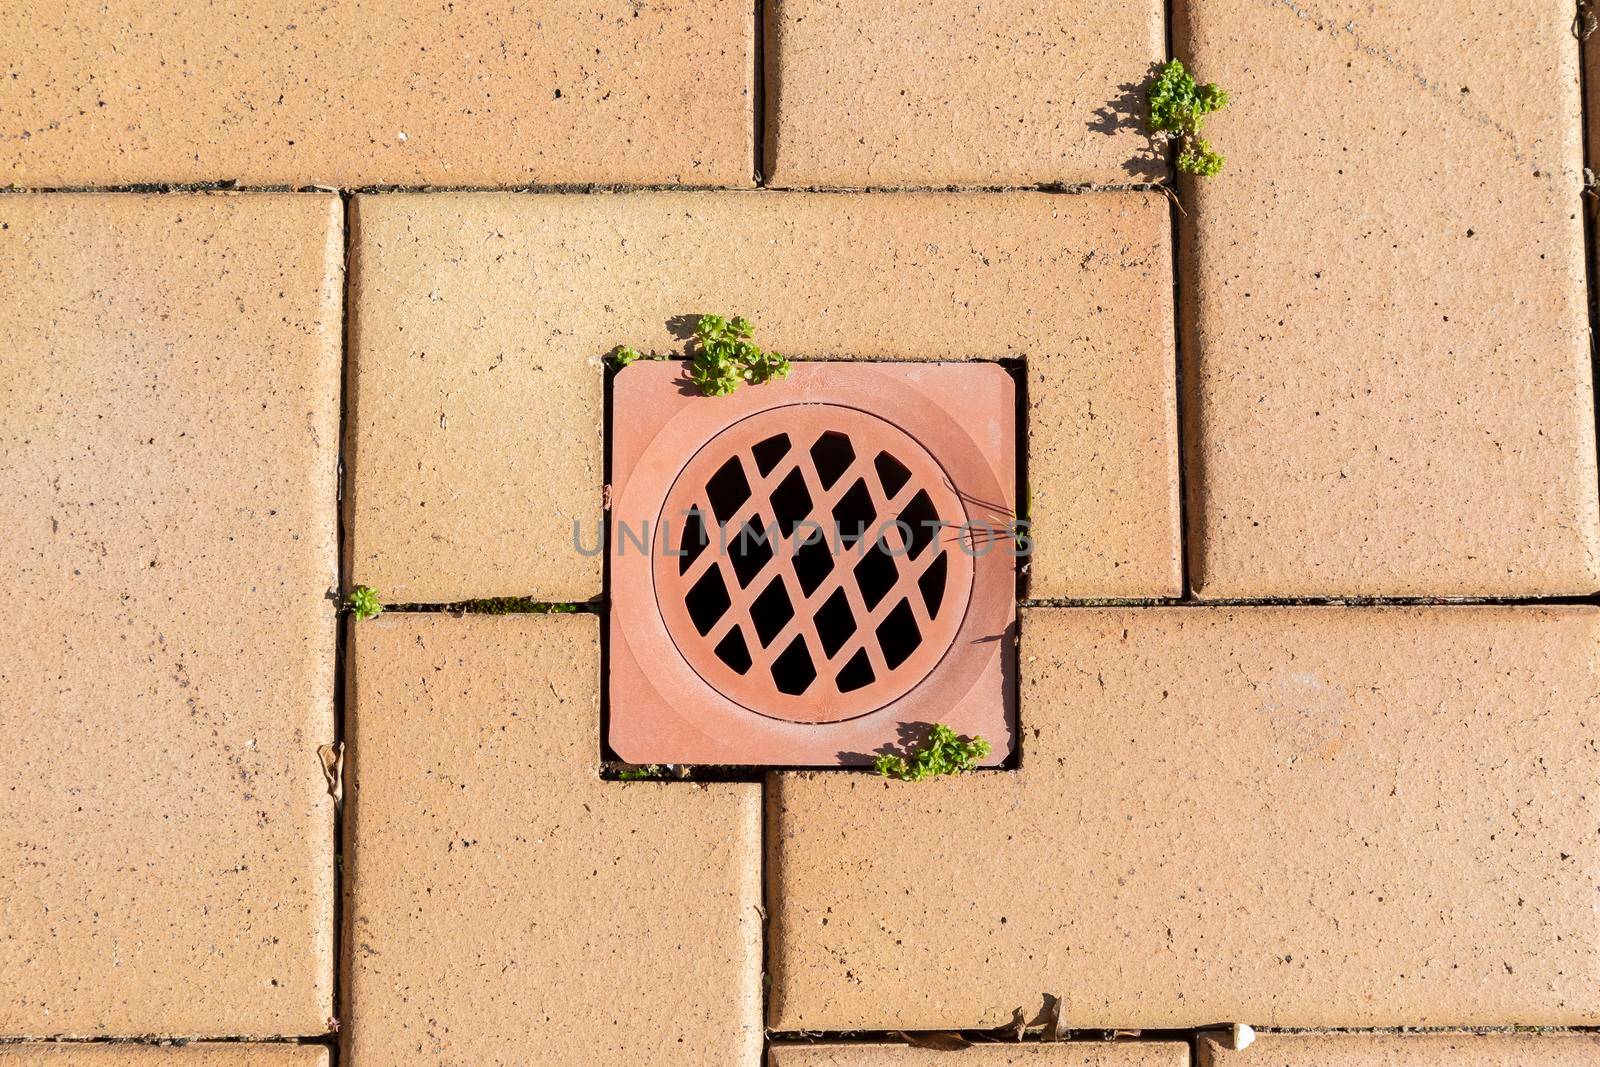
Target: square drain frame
(872, 594)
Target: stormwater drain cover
(811, 571)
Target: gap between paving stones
(341, 629)
(585, 189)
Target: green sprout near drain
(363, 603)
(639, 774)
(723, 356)
(1178, 108)
(943, 753)
(623, 355)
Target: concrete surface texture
(300, 297)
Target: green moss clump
(363, 603)
(1178, 108)
(943, 753)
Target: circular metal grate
(806, 563)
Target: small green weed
(363, 603)
(1178, 108)
(637, 774)
(722, 356)
(942, 753)
(623, 355)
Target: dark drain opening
(853, 513)
(857, 674)
(892, 474)
(767, 453)
(876, 575)
(931, 585)
(694, 540)
(832, 455)
(898, 635)
(727, 489)
(750, 551)
(707, 601)
(771, 612)
(836, 623)
(732, 651)
(793, 671)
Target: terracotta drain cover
(811, 571)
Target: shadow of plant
(1127, 111)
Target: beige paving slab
(295, 92)
(949, 93)
(506, 906)
(1056, 1054)
(194, 1054)
(170, 423)
(1406, 1050)
(1296, 816)
(475, 433)
(1388, 366)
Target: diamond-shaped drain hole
(831, 455)
(853, 514)
(767, 453)
(771, 612)
(791, 503)
(835, 623)
(793, 671)
(825, 602)
(708, 601)
(727, 489)
(734, 652)
(750, 551)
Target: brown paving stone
(1406, 1050)
(170, 414)
(506, 906)
(475, 439)
(1014, 92)
(195, 1054)
(1077, 1054)
(1389, 364)
(294, 92)
(1295, 816)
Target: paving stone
(1406, 1050)
(194, 1054)
(1389, 367)
(1296, 816)
(506, 906)
(475, 432)
(952, 93)
(1055, 1054)
(171, 424)
(355, 95)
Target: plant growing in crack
(942, 753)
(640, 773)
(363, 603)
(1178, 108)
(623, 355)
(722, 356)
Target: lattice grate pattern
(801, 595)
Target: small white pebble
(1243, 1037)
(401, 135)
